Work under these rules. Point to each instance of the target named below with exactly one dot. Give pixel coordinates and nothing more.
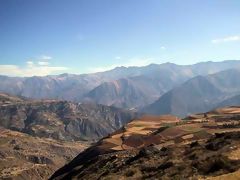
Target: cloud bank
(226, 39)
(163, 48)
(45, 57)
(41, 68)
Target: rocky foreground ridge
(61, 120)
(26, 157)
(201, 146)
(38, 137)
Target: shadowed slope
(198, 94)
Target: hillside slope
(61, 120)
(233, 101)
(38, 137)
(25, 157)
(200, 146)
(132, 92)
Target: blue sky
(43, 37)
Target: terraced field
(161, 129)
(199, 146)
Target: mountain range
(199, 94)
(132, 87)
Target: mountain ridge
(77, 87)
(205, 91)
(61, 120)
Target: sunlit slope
(201, 145)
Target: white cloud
(226, 39)
(43, 63)
(9, 69)
(132, 62)
(30, 63)
(163, 48)
(30, 70)
(38, 67)
(45, 57)
(117, 57)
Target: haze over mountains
(200, 94)
(132, 87)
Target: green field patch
(202, 134)
(191, 127)
(3, 141)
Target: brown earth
(39, 136)
(61, 120)
(197, 147)
(25, 157)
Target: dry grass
(189, 136)
(213, 131)
(235, 154)
(230, 176)
(22, 154)
(195, 127)
(116, 141)
(123, 147)
(229, 110)
(173, 132)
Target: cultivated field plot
(229, 110)
(202, 146)
(167, 130)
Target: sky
(44, 37)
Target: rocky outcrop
(38, 137)
(62, 120)
(25, 157)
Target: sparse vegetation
(151, 148)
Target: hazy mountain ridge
(154, 79)
(127, 93)
(198, 94)
(233, 101)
